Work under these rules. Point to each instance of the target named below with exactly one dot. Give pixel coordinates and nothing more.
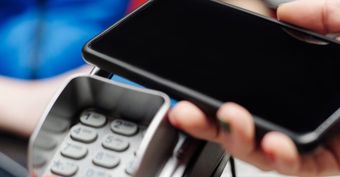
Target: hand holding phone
(276, 150)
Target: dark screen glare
(231, 56)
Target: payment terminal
(96, 127)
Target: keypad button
(130, 168)
(45, 141)
(115, 143)
(74, 151)
(64, 168)
(124, 127)
(56, 124)
(92, 119)
(83, 134)
(96, 173)
(38, 160)
(106, 159)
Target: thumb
(322, 16)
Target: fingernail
(225, 126)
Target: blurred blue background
(43, 38)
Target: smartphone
(209, 52)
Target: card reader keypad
(98, 146)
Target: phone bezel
(305, 142)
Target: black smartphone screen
(230, 55)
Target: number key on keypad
(74, 151)
(96, 173)
(130, 169)
(83, 134)
(64, 168)
(115, 143)
(124, 127)
(38, 160)
(92, 119)
(106, 159)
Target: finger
(192, 120)
(308, 166)
(239, 138)
(318, 15)
(326, 162)
(334, 146)
(319, 163)
(281, 150)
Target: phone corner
(307, 142)
(86, 51)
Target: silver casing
(163, 151)
(274, 4)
